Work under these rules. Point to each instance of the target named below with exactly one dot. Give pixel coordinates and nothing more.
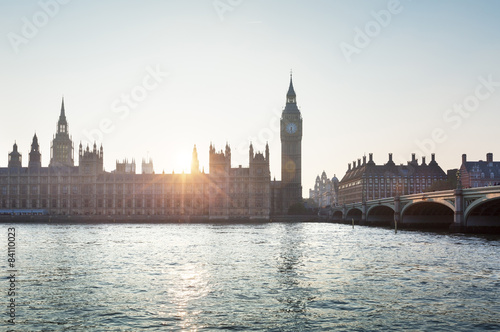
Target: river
(273, 277)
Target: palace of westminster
(224, 193)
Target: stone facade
(223, 193)
(86, 189)
(289, 190)
(480, 173)
(325, 192)
(368, 181)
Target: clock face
(291, 128)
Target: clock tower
(291, 151)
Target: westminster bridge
(461, 210)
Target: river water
(273, 277)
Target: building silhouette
(325, 192)
(480, 173)
(288, 191)
(366, 181)
(61, 151)
(225, 192)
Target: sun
(182, 162)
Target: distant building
(325, 192)
(480, 173)
(288, 191)
(125, 167)
(368, 181)
(86, 189)
(147, 166)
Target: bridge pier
(397, 210)
(459, 218)
(363, 213)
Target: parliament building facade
(63, 189)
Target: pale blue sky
(227, 78)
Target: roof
(484, 167)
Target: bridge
(460, 210)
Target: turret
(15, 158)
(195, 164)
(35, 160)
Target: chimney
(423, 160)
(489, 157)
(370, 155)
(390, 157)
(353, 164)
(359, 162)
(364, 160)
(464, 158)
(349, 166)
(433, 160)
(413, 160)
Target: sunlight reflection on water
(283, 277)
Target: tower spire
(195, 164)
(62, 116)
(291, 96)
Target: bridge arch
(432, 214)
(440, 202)
(382, 215)
(337, 215)
(483, 212)
(376, 207)
(355, 214)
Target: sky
(154, 78)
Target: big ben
(291, 151)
